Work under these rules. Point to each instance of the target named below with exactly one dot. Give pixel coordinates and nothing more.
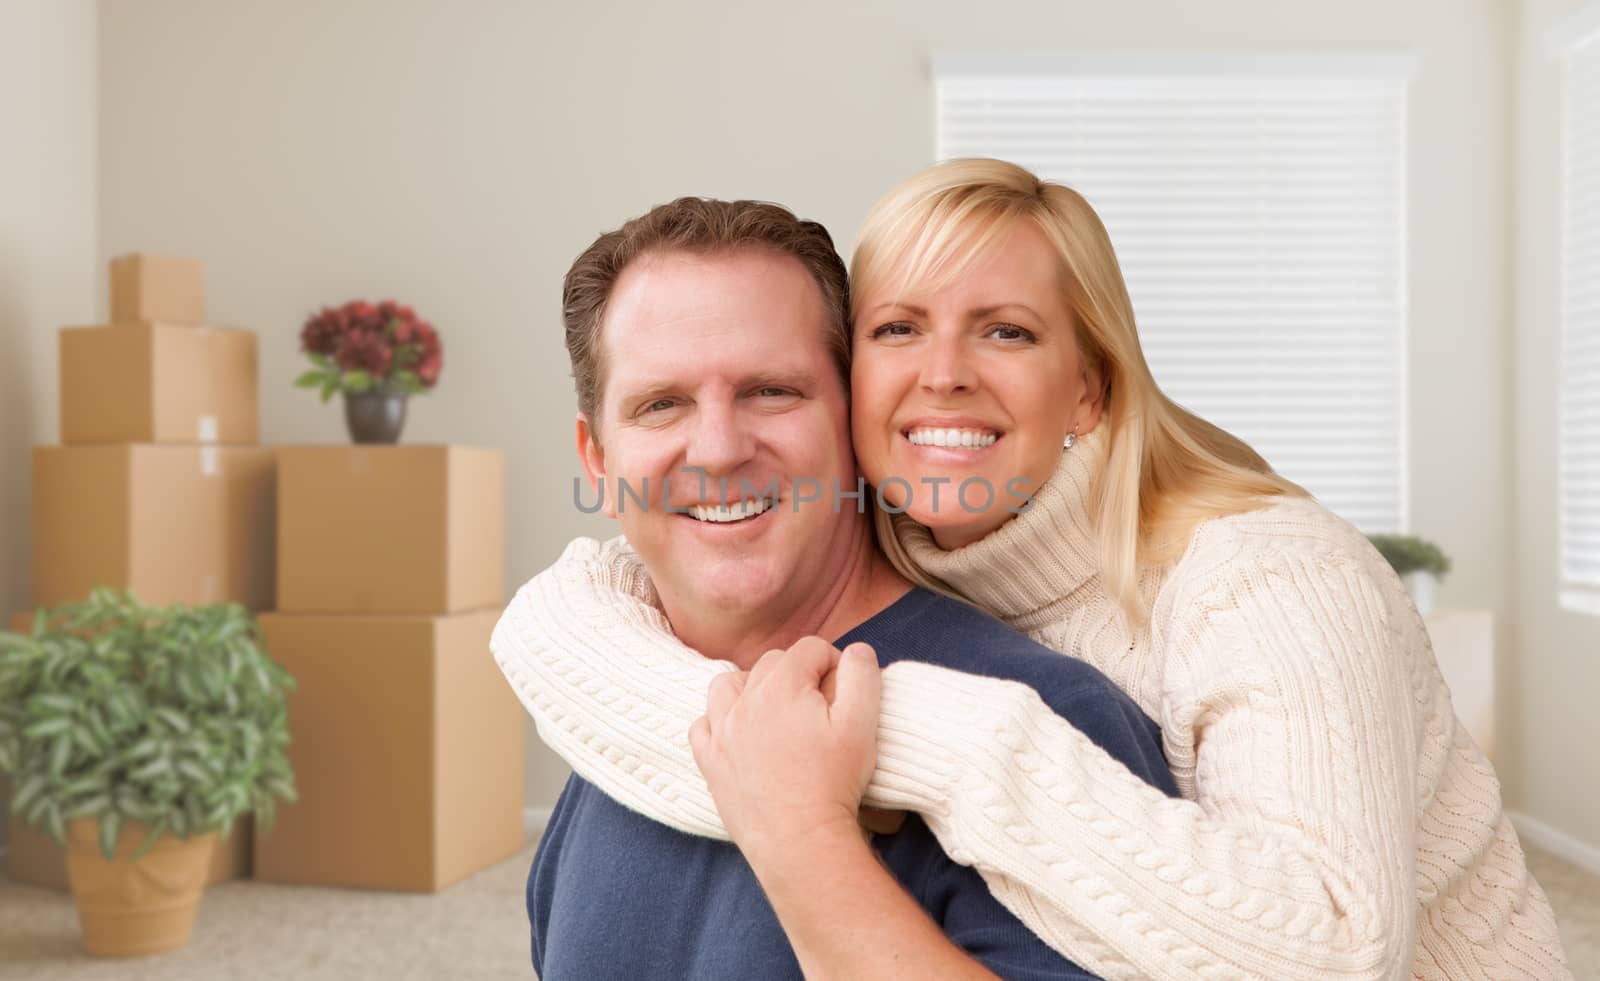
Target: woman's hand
(782, 759)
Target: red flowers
(363, 347)
(431, 357)
(364, 351)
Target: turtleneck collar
(1028, 563)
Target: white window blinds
(1579, 440)
(1257, 206)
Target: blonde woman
(1336, 820)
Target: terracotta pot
(128, 909)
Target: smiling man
(714, 378)
(710, 350)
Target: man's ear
(594, 463)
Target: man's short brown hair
(698, 226)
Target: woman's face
(961, 397)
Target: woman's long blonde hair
(1167, 469)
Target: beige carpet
(475, 929)
(256, 930)
(1575, 894)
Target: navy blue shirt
(613, 894)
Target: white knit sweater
(1336, 820)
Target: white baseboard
(534, 819)
(1557, 842)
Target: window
(1257, 205)
(1578, 45)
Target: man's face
(719, 363)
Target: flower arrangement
(1408, 553)
(370, 347)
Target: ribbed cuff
(929, 720)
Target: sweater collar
(1031, 561)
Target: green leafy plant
(1408, 553)
(171, 716)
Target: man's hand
(873, 819)
(783, 760)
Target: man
(710, 349)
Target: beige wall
(459, 155)
(48, 270)
(47, 240)
(1552, 766)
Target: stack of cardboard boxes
(383, 568)
(407, 744)
(158, 486)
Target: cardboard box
(33, 857)
(191, 524)
(158, 383)
(407, 748)
(157, 288)
(390, 529)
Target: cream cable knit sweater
(1336, 820)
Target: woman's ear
(1091, 405)
(593, 458)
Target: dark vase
(375, 417)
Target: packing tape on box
(207, 427)
(210, 461)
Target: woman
(1336, 822)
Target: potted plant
(1419, 563)
(377, 354)
(133, 735)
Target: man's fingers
(765, 665)
(830, 681)
(700, 741)
(806, 664)
(723, 693)
(860, 685)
